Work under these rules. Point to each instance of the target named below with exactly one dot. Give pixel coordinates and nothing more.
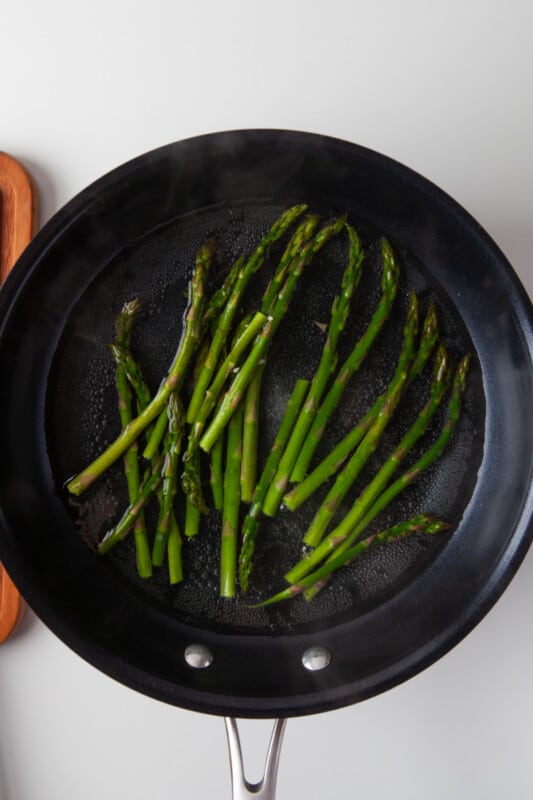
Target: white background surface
(445, 88)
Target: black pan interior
(135, 234)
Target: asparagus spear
(381, 479)
(389, 286)
(253, 391)
(174, 558)
(411, 474)
(367, 447)
(169, 473)
(123, 327)
(251, 521)
(233, 396)
(231, 505)
(135, 377)
(245, 335)
(250, 434)
(421, 523)
(195, 503)
(149, 485)
(124, 321)
(339, 314)
(216, 473)
(332, 462)
(429, 457)
(204, 258)
(303, 233)
(124, 359)
(171, 383)
(225, 320)
(220, 297)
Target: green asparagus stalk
(333, 462)
(149, 485)
(432, 454)
(176, 374)
(203, 262)
(174, 554)
(135, 377)
(250, 435)
(367, 447)
(428, 458)
(339, 314)
(226, 318)
(192, 518)
(245, 335)
(253, 391)
(124, 322)
(190, 479)
(422, 523)
(216, 473)
(234, 394)
(214, 307)
(251, 522)
(169, 473)
(301, 236)
(231, 506)
(124, 359)
(389, 286)
(220, 297)
(378, 484)
(123, 327)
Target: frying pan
(394, 611)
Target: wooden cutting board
(18, 223)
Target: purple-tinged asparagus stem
(389, 286)
(339, 314)
(176, 374)
(231, 507)
(336, 458)
(251, 522)
(378, 484)
(422, 523)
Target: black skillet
(134, 232)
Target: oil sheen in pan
(82, 416)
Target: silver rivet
(316, 658)
(198, 656)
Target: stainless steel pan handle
(266, 788)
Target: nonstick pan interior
(135, 234)
(82, 415)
